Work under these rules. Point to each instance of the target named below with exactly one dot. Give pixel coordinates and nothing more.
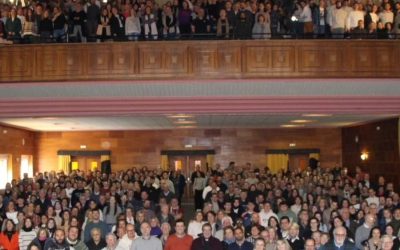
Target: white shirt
(386, 17)
(353, 18)
(195, 228)
(264, 217)
(305, 15)
(125, 243)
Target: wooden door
(298, 161)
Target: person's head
(165, 229)
(309, 244)
(59, 236)
(73, 233)
(111, 241)
(180, 227)
(130, 231)
(145, 228)
(207, 230)
(339, 234)
(228, 233)
(375, 233)
(199, 216)
(27, 224)
(370, 220)
(261, 19)
(9, 226)
(387, 242)
(95, 214)
(259, 244)
(239, 234)
(282, 245)
(294, 230)
(96, 234)
(285, 223)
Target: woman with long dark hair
(9, 237)
(26, 234)
(111, 210)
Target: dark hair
(179, 221)
(206, 225)
(5, 226)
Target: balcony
(200, 60)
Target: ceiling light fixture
(316, 115)
(180, 116)
(301, 121)
(185, 122)
(292, 125)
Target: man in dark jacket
(240, 242)
(340, 241)
(58, 242)
(206, 241)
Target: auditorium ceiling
(236, 103)
(190, 121)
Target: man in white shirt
(125, 243)
(337, 20)
(306, 18)
(266, 213)
(372, 198)
(354, 17)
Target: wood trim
(200, 59)
(187, 152)
(84, 152)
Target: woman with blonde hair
(282, 245)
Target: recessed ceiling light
(188, 126)
(185, 122)
(316, 115)
(292, 125)
(180, 116)
(301, 121)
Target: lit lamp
(364, 156)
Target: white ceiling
(188, 121)
(214, 88)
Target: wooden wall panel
(201, 59)
(139, 148)
(17, 142)
(381, 141)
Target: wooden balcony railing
(201, 60)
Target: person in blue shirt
(240, 242)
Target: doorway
(298, 161)
(85, 163)
(186, 161)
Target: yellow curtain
(276, 162)
(314, 155)
(9, 168)
(63, 163)
(210, 161)
(104, 158)
(164, 162)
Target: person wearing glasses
(340, 241)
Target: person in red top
(9, 237)
(180, 240)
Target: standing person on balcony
(185, 18)
(306, 19)
(93, 15)
(117, 23)
(201, 25)
(78, 17)
(354, 17)
(13, 26)
(59, 22)
(319, 17)
(132, 26)
(169, 22)
(338, 21)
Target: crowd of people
(26, 21)
(235, 208)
